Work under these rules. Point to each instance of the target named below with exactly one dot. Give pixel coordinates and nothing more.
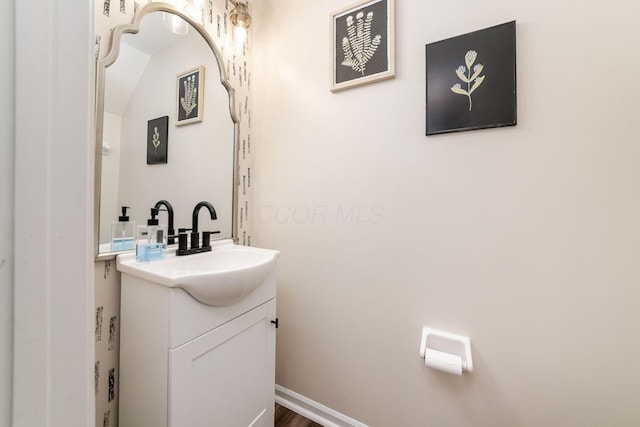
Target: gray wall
(524, 238)
(53, 268)
(6, 210)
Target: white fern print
(469, 59)
(155, 140)
(359, 47)
(188, 101)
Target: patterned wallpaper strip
(99, 311)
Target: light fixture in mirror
(175, 24)
(137, 84)
(193, 8)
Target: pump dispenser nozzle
(153, 220)
(124, 217)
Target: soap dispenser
(151, 239)
(123, 233)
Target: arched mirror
(166, 127)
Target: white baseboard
(313, 410)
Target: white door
(226, 377)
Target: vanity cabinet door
(226, 377)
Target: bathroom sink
(218, 278)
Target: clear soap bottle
(151, 239)
(123, 233)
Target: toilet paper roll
(445, 362)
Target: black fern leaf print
(112, 384)
(98, 331)
(96, 376)
(112, 333)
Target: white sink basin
(220, 277)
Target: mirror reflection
(167, 132)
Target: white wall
(110, 168)
(7, 137)
(524, 238)
(53, 328)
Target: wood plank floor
(287, 418)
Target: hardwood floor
(287, 418)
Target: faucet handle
(182, 242)
(182, 239)
(195, 240)
(206, 238)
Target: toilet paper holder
(446, 342)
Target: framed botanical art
(189, 96)
(471, 81)
(362, 44)
(157, 140)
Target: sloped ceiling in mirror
(123, 78)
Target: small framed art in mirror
(157, 140)
(190, 87)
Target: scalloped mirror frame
(109, 59)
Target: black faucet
(171, 238)
(196, 211)
(195, 235)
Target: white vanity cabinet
(226, 376)
(187, 364)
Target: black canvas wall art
(471, 80)
(157, 140)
